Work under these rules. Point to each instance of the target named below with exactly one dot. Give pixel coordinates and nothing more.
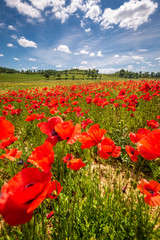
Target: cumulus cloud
(137, 57)
(87, 30)
(32, 59)
(116, 56)
(157, 58)
(10, 27)
(14, 36)
(59, 66)
(84, 62)
(1, 55)
(62, 48)
(94, 13)
(2, 25)
(92, 54)
(129, 15)
(83, 51)
(34, 68)
(108, 70)
(24, 8)
(16, 59)
(26, 43)
(10, 45)
(99, 54)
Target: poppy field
(81, 161)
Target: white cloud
(87, 30)
(143, 50)
(129, 67)
(83, 51)
(116, 56)
(10, 45)
(137, 57)
(82, 24)
(62, 48)
(2, 25)
(94, 13)
(92, 54)
(129, 15)
(108, 70)
(10, 27)
(157, 58)
(16, 59)
(83, 62)
(24, 8)
(14, 36)
(99, 54)
(1, 55)
(26, 43)
(59, 66)
(32, 59)
(34, 68)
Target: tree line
(90, 73)
(129, 74)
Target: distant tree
(122, 73)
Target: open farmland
(81, 159)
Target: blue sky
(64, 34)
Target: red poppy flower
(54, 190)
(67, 158)
(22, 194)
(75, 164)
(92, 137)
(67, 131)
(31, 117)
(149, 146)
(11, 154)
(42, 157)
(136, 137)
(49, 215)
(133, 153)
(150, 189)
(48, 128)
(85, 123)
(107, 147)
(6, 143)
(152, 124)
(6, 129)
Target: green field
(23, 81)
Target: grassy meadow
(79, 159)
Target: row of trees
(90, 73)
(128, 74)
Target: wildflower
(11, 154)
(152, 124)
(133, 153)
(67, 158)
(108, 148)
(22, 194)
(149, 146)
(54, 190)
(67, 131)
(6, 128)
(49, 215)
(75, 164)
(92, 137)
(136, 137)
(42, 157)
(150, 189)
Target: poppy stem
(34, 223)
(43, 223)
